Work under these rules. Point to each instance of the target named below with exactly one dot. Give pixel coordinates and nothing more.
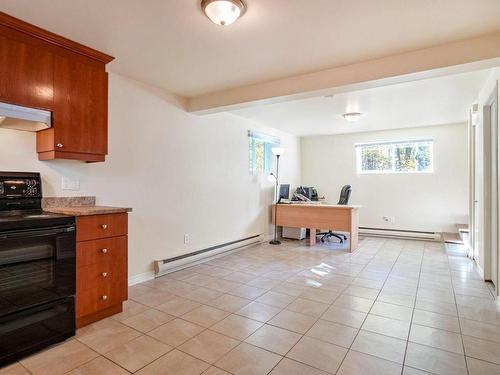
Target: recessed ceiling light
(223, 12)
(352, 116)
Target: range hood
(24, 118)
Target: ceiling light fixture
(352, 116)
(223, 12)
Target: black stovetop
(21, 203)
(32, 219)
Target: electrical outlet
(389, 219)
(68, 183)
(186, 239)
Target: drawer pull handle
(60, 145)
(104, 226)
(104, 251)
(104, 274)
(104, 298)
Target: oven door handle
(11, 204)
(38, 233)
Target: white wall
(481, 173)
(181, 173)
(422, 202)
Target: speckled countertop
(79, 206)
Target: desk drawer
(101, 226)
(104, 252)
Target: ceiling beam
(457, 57)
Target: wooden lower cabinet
(101, 266)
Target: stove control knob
(104, 226)
(104, 251)
(104, 298)
(104, 274)
(31, 191)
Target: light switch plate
(69, 183)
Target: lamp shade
(223, 12)
(278, 151)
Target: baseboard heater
(400, 233)
(165, 266)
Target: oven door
(36, 267)
(23, 333)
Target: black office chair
(345, 194)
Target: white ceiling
(171, 44)
(436, 101)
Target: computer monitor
(284, 192)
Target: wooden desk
(321, 216)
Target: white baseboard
(397, 233)
(163, 268)
(480, 271)
(140, 278)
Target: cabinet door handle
(60, 145)
(104, 274)
(104, 298)
(104, 251)
(104, 226)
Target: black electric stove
(37, 269)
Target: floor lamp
(277, 151)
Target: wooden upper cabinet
(43, 70)
(26, 71)
(80, 106)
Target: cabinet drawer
(101, 226)
(104, 252)
(99, 298)
(99, 274)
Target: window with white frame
(260, 155)
(412, 156)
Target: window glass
(376, 158)
(395, 157)
(259, 149)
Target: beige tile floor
(392, 307)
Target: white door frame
(491, 188)
(473, 201)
